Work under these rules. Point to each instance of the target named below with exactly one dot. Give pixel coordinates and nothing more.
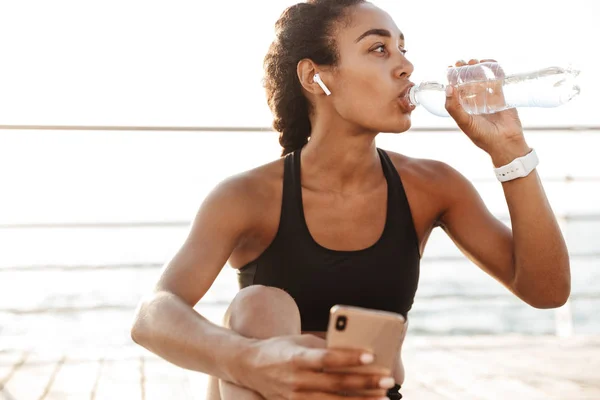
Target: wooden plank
(32, 379)
(489, 380)
(505, 387)
(127, 353)
(414, 390)
(577, 363)
(119, 379)
(10, 358)
(432, 369)
(437, 369)
(549, 369)
(164, 380)
(75, 380)
(454, 372)
(533, 369)
(10, 362)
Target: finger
(319, 359)
(344, 382)
(460, 63)
(455, 109)
(488, 60)
(473, 61)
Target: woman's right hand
(294, 367)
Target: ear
(306, 71)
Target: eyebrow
(377, 32)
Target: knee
(262, 312)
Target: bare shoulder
(250, 201)
(431, 186)
(252, 189)
(256, 181)
(230, 213)
(423, 172)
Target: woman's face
(373, 73)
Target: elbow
(549, 303)
(140, 330)
(551, 298)
(145, 327)
(137, 332)
(545, 291)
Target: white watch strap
(518, 168)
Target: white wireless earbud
(317, 79)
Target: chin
(398, 126)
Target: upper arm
(217, 228)
(477, 233)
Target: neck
(341, 159)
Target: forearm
(172, 329)
(541, 260)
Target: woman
(338, 220)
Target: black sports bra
(383, 276)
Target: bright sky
(199, 63)
(183, 63)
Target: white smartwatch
(518, 168)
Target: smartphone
(375, 331)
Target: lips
(404, 93)
(405, 105)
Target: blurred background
(118, 117)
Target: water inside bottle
(485, 97)
(549, 87)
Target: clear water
(484, 89)
(550, 87)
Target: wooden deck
(483, 367)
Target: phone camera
(340, 323)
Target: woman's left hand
(499, 134)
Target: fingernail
(449, 90)
(387, 383)
(367, 358)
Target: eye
(381, 46)
(383, 49)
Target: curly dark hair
(304, 30)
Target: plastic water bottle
(484, 89)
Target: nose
(404, 68)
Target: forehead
(365, 17)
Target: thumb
(455, 109)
